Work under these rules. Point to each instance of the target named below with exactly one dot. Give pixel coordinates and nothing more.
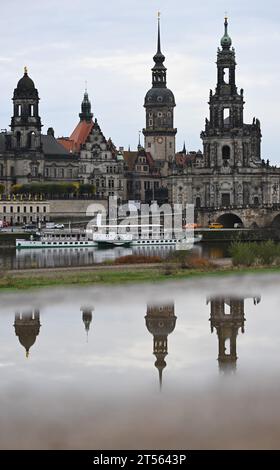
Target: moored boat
(56, 239)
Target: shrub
(268, 252)
(179, 257)
(243, 254)
(137, 259)
(196, 262)
(251, 254)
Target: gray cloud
(111, 45)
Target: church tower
(27, 328)
(227, 317)
(229, 143)
(87, 317)
(26, 122)
(160, 322)
(86, 114)
(159, 104)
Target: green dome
(226, 40)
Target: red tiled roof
(67, 143)
(81, 133)
(78, 136)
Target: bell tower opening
(226, 75)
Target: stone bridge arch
(228, 219)
(275, 223)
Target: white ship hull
(20, 244)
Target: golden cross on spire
(86, 86)
(226, 15)
(25, 70)
(158, 14)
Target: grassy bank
(31, 280)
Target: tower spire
(226, 40)
(158, 43)
(86, 114)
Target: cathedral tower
(27, 328)
(26, 122)
(228, 142)
(86, 114)
(160, 322)
(227, 317)
(159, 104)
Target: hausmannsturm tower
(159, 104)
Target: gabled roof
(130, 159)
(78, 137)
(53, 149)
(81, 133)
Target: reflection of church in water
(160, 322)
(227, 316)
(27, 327)
(87, 317)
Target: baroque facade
(230, 173)
(26, 154)
(227, 181)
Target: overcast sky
(111, 43)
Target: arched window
(31, 139)
(31, 110)
(1, 170)
(198, 202)
(226, 152)
(18, 137)
(226, 75)
(256, 201)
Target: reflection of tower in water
(227, 316)
(87, 317)
(160, 322)
(27, 327)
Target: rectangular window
(225, 199)
(226, 75)
(226, 114)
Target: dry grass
(138, 259)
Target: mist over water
(96, 355)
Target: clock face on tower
(160, 140)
